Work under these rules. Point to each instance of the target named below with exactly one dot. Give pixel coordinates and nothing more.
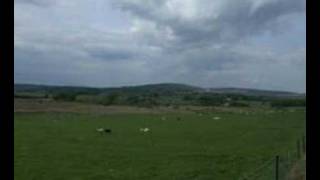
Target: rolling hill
(163, 88)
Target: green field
(66, 146)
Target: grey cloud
(46, 67)
(41, 3)
(206, 46)
(112, 54)
(234, 20)
(242, 67)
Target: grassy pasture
(65, 146)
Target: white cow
(216, 118)
(102, 130)
(99, 129)
(144, 130)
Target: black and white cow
(103, 130)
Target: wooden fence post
(277, 168)
(298, 149)
(304, 144)
(288, 161)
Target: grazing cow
(144, 130)
(107, 130)
(102, 130)
(216, 118)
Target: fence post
(277, 168)
(304, 144)
(298, 149)
(288, 160)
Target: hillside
(254, 92)
(163, 88)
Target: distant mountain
(49, 88)
(254, 92)
(163, 88)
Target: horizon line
(202, 87)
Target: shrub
(64, 96)
(239, 104)
(289, 103)
(208, 100)
(107, 100)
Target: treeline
(162, 98)
(289, 103)
(107, 99)
(31, 95)
(147, 99)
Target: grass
(58, 146)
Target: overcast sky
(209, 43)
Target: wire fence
(282, 166)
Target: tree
(109, 99)
(288, 103)
(210, 100)
(64, 96)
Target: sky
(208, 43)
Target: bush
(239, 104)
(188, 98)
(133, 100)
(107, 100)
(208, 100)
(145, 101)
(64, 96)
(289, 103)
